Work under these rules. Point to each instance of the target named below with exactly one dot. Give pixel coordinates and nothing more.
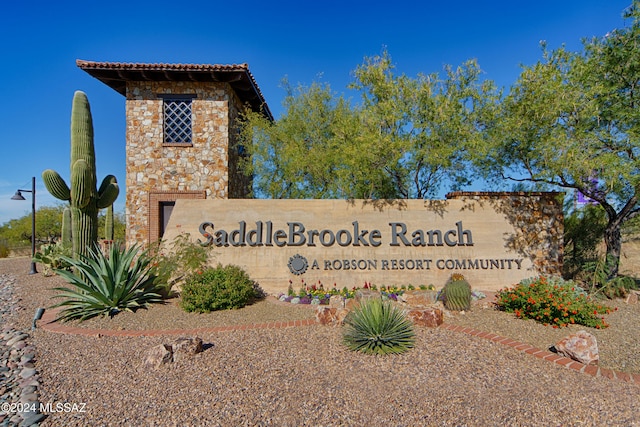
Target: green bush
(603, 286)
(4, 249)
(51, 257)
(105, 284)
(378, 327)
(219, 288)
(552, 302)
(176, 260)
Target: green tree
(405, 138)
(420, 128)
(572, 121)
(48, 223)
(299, 155)
(583, 232)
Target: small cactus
(457, 293)
(83, 197)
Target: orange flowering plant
(552, 301)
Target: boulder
(326, 315)
(365, 294)
(430, 317)
(419, 297)
(179, 349)
(351, 303)
(340, 315)
(158, 355)
(581, 347)
(183, 347)
(330, 315)
(336, 301)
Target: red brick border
(593, 370)
(48, 324)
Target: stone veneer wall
(158, 172)
(239, 183)
(538, 219)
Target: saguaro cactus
(83, 197)
(108, 224)
(66, 228)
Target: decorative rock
(365, 294)
(159, 355)
(430, 317)
(351, 303)
(417, 298)
(331, 315)
(186, 347)
(336, 301)
(632, 298)
(27, 373)
(341, 315)
(32, 418)
(15, 339)
(19, 345)
(581, 347)
(325, 315)
(18, 375)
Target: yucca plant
(378, 327)
(103, 284)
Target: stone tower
(181, 139)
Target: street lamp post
(18, 196)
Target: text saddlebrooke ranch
(349, 242)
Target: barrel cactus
(83, 197)
(457, 293)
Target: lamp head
(17, 196)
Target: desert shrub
(552, 302)
(378, 327)
(105, 284)
(174, 261)
(219, 288)
(51, 257)
(4, 249)
(600, 285)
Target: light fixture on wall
(18, 196)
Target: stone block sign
(493, 239)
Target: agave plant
(378, 327)
(107, 284)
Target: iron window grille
(177, 119)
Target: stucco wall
(493, 239)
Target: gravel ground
(305, 376)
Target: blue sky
(303, 41)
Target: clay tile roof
(117, 74)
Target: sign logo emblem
(298, 264)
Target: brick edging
(593, 370)
(48, 324)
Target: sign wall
(350, 242)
